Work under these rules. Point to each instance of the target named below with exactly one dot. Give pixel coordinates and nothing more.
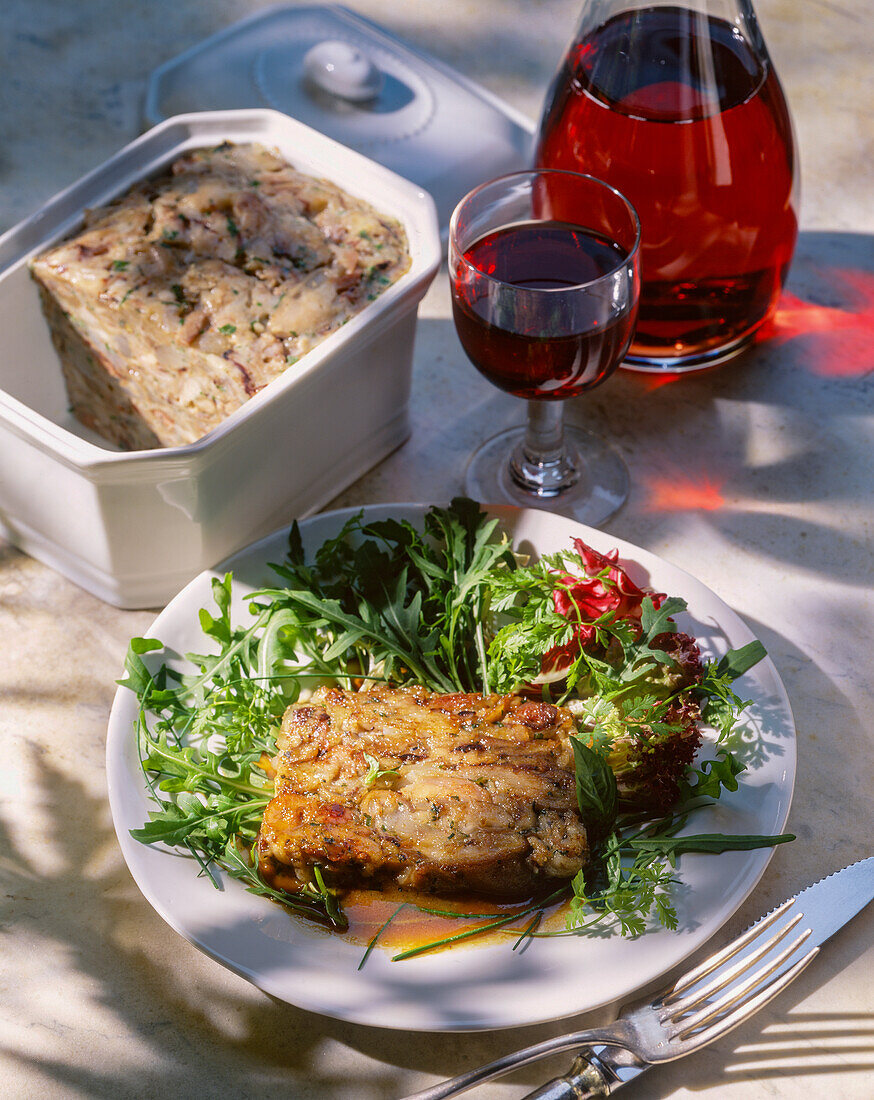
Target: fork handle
(454, 1086)
(584, 1081)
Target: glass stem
(541, 463)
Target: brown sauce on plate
(368, 911)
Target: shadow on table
(743, 447)
(154, 1016)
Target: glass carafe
(680, 109)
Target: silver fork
(741, 979)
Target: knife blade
(825, 907)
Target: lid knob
(341, 69)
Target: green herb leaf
(659, 621)
(378, 933)
(596, 791)
(375, 772)
(738, 661)
(138, 678)
(714, 843)
(712, 777)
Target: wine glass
(545, 275)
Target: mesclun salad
(450, 620)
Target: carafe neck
(738, 13)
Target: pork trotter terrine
(440, 793)
(182, 299)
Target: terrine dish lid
(410, 124)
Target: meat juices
(460, 794)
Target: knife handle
(584, 1081)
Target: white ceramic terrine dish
(133, 527)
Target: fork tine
(685, 1045)
(736, 993)
(710, 964)
(725, 977)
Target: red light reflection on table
(651, 382)
(841, 337)
(838, 343)
(680, 493)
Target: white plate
(471, 987)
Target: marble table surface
(757, 477)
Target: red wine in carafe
(676, 110)
(532, 345)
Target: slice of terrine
(180, 300)
(441, 793)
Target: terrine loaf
(441, 793)
(177, 302)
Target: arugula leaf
(212, 818)
(202, 750)
(714, 843)
(295, 545)
(138, 678)
(420, 598)
(709, 780)
(276, 645)
(738, 661)
(720, 704)
(219, 628)
(659, 621)
(386, 631)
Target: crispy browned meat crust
(479, 797)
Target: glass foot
(498, 471)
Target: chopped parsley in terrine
(177, 302)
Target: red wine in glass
(526, 359)
(683, 113)
(545, 274)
